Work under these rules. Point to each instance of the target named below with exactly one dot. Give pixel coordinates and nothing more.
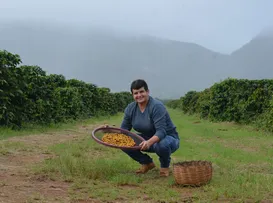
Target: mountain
(113, 60)
(254, 59)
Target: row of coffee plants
(238, 100)
(29, 95)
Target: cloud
(219, 25)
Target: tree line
(233, 100)
(29, 95)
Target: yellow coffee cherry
(118, 139)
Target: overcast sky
(220, 25)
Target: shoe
(164, 172)
(145, 168)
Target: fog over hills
(113, 59)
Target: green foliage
(29, 95)
(239, 100)
(175, 103)
(265, 120)
(203, 103)
(10, 92)
(189, 102)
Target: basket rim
(181, 163)
(115, 146)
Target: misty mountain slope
(255, 58)
(113, 60)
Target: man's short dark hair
(139, 83)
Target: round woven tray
(192, 173)
(98, 133)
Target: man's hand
(148, 143)
(105, 125)
(145, 145)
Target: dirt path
(17, 183)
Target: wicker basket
(192, 173)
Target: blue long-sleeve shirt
(155, 120)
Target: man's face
(140, 95)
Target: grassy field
(242, 161)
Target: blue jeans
(164, 148)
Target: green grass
(8, 147)
(30, 129)
(242, 161)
